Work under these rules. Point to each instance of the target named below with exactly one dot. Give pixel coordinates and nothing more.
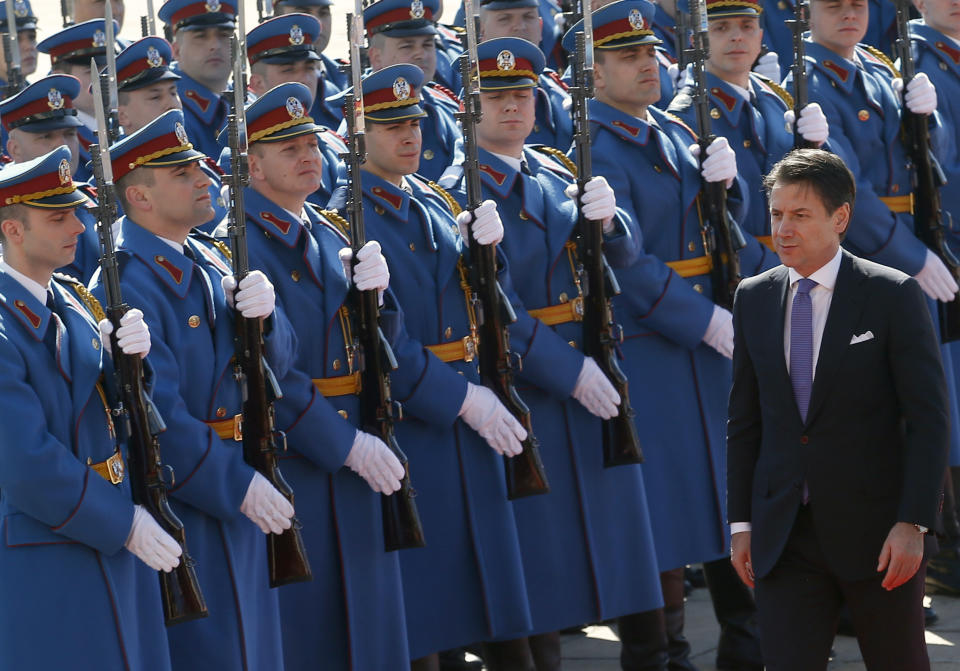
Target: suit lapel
(779, 290)
(845, 309)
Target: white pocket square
(863, 337)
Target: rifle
(524, 472)
(930, 221)
(286, 556)
(798, 26)
(11, 55)
(148, 24)
(722, 238)
(681, 38)
(66, 12)
(378, 411)
(135, 416)
(601, 334)
(108, 82)
(264, 10)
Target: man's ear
(12, 230)
(138, 198)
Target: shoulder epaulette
(776, 88)
(93, 305)
(219, 244)
(339, 222)
(680, 122)
(882, 57)
(443, 193)
(555, 153)
(552, 74)
(439, 88)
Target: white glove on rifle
(813, 125)
(133, 336)
(595, 392)
(372, 271)
(255, 297)
(921, 95)
(599, 202)
(719, 333)
(721, 162)
(151, 544)
(484, 413)
(266, 507)
(484, 222)
(372, 460)
(768, 65)
(935, 279)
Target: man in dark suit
(837, 437)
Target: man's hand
(740, 557)
(900, 555)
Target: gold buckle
(238, 427)
(469, 348)
(576, 308)
(115, 468)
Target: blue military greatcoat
(467, 584)
(554, 125)
(581, 564)
(73, 597)
(351, 615)
(204, 112)
(678, 386)
(192, 332)
(324, 112)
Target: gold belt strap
(342, 385)
(464, 349)
(228, 428)
(112, 470)
(899, 203)
(767, 241)
(692, 267)
(571, 311)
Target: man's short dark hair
(138, 177)
(823, 171)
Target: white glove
(768, 65)
(813, 125)
(595, 392)
(371, 271)
(484, 413)
(599, 202)
(935, 280)
(151, 544)
(256, 297)
(267, 507)
(372, 460)
(721, 162)
(921, 96)
(674, 71)
(719, 333)
(133, 336)
(484, 222)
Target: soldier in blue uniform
(185, 280)
(70, 51)
(677, 341)
(73, 596)
(39, 119)
(574, 536)
(281, 50)
(329, 68)
(201, 46)
(403, 31)
(26, 38)
(519, 18)
(351, 614)
(467, 584)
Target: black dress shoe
(694, 576)
(455, 660)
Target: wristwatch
(922, 529)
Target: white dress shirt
(820, 298)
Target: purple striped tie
(801, 345)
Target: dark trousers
(799, 602)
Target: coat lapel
(81, 357)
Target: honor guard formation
(453, 342)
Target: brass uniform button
(336, 364)
(454, 229)
(863, 115)
(943, 66)
(378, 209)
(746, 144)
(714, 113)
(342, 413)
(572, 343)
(523, 215)
(691, 246)
(295, 275)
(781, 5)
(95, 342)
(894, 188)
(413, 247)
(428, 154)
(536, 128)
(447, 332)
(159, 258)
(194, 321)
(698, 288)
(562, 297)
(266, 234)
(657, 169)
(221, 412)
(833, 83)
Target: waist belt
(692, 267)
(112, 470)
(228, 428)
(767, 241)
(899, 203)
(343, 385)
(464, 349)
(571, 311)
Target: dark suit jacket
(874, 447)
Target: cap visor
(292, 131)
(61, 201)
(68, 121)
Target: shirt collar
(36, 289)
(509, 160)
(176, 245)
(88, 120)
(825, 276)
(742, 92)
